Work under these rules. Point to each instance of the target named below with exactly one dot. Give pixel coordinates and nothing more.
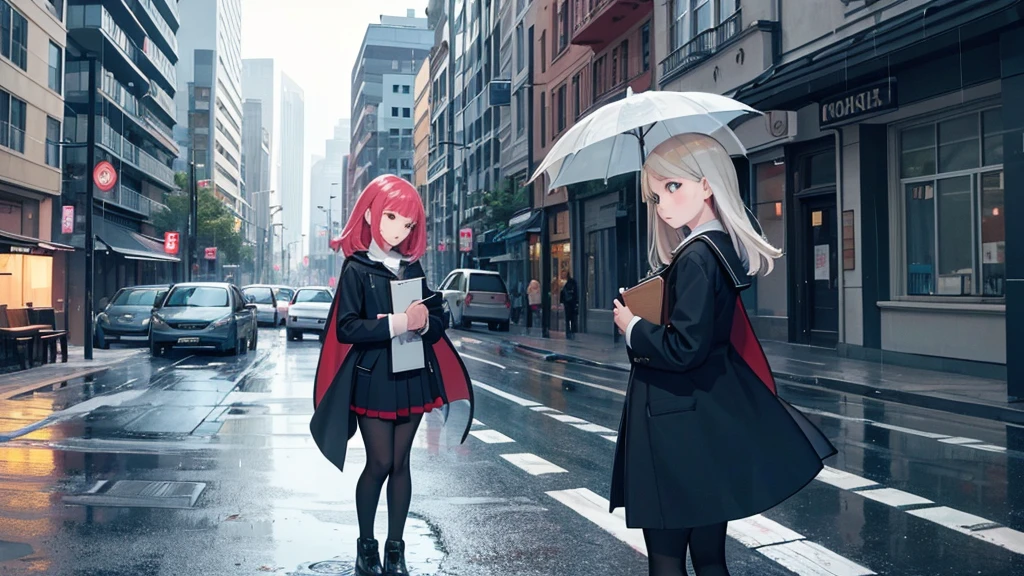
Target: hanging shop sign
(104, 175)
(210, 253)
(171, 242)
(67, 220)
(856, 104)
(466, 240)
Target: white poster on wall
(821, 262)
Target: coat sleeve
(352, 328)
(435, 309)
(686, 341)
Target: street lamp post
(90, 245)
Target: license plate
(188, 340)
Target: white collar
(709, 226)
(392, 259)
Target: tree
(216, 224)
(502, 203)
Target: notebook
(645, 299)
(407, 350)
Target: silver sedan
(308, 311)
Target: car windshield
(321, 296)
(486, 283)
(284, 294)
(197, 297)
(140, 297)
(260, 295)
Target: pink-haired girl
(383, 240)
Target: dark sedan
(204, 314)
(127, 316)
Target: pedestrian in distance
(356, 384)
(704, 439)
(570, 301)
(533, 297)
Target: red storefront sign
(466, 240)
(104, 176)
(171, 242)
(67, 220)
(210, 253)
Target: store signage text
(171, 242)
(210, 253)
(864, 101)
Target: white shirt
(393, 261)
(709, 226)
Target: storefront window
(769, 208)
(26, 278)
(955, 232)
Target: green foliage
(216, 223)
(502, 203)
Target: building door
(820, 271)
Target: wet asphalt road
(201, 464)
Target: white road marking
(613, 438)
(986, 447)
(533, 464)
(588, 427)
(757, 531)
(477, 422)
(495, 364)
(581, 382)
(490, 436)
(501, 393)
(810, 559)
(893, 497)
(595, 508)
(909, 431)
(974, 526)
(543, 409)
(959, 440)
(566, 418)
(843, 480)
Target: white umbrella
(615, 138)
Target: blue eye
(672, 186)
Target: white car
(308, 311)
(476, 296)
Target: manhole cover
(140, 494)
(332, 567)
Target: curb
(962, 407)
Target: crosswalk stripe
(809, 559)
(595, 508)
(490, 436)
(566, 418)
(543, 409)
(533, 464)
(501, 393)
(613, 438)
(973, 526)
(843, 480)
(959, 440)
(588, 427)
(893, 497)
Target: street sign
(203, 183)
(466, 240)
(171, 242)
(67, 220)
(104, 175)
(210, 253)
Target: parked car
(263, 297)
(204, 314)
(126, 317)
(476, 296)
(308, 312)
(283, 294)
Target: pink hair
(387, 193)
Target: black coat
(357, 338)
(702, 438)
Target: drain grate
(140, 494)
(332, 567)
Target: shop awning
(29, 245)
(519, 231)
(128, 243)
(504, 258)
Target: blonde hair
(693, 157)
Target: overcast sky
(315, 42)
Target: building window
(406, 112)
(13, 35)
(520, 113)
(678, 33)
(392, 164)
(951, 176)
(701, 16)
(645, 45)
(405, 88)
(615, 66)
(12, 122)
(599, 72)
(563, 26)
(576, 100)
(406, 164)
(56, 7)
(543, 120)
(769, 201)
(52, 142)
(561, 109)
(394, 132)
(520, 49)
(394, 111)
(55, 72)
(543, 51)
(726, 8)
(624, 59)
(394, 88)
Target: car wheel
(294, 335)
(503, 326)
(466, 323)
(277, 319)
(243, 347)
(102, 343)
(156, 349)
(492, 326)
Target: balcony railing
(595, 8)
(171, 7)
(159, 22)
(128, 152)
(93, 16)
(702, 46)
(160, 61)
(127, 198)
(162, 99)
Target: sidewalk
(77, 366)
(956, 393)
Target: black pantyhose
(388, 444)
(666, 551)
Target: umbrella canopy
(615, 138)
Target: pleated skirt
(396, 397)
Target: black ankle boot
(394, 558)
(367, 558)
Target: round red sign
(104, 176)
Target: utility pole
(90, 241)
(193, 216)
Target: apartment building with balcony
(421, 148)
(31, 112)
(888, 190)
(440, 164)
(128, 54)
(209, 98)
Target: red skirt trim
(403, 412)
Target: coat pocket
(661, 402)
(366, 361)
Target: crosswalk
(770, 539)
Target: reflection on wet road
(203, 464)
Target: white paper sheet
(406, 349)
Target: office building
(293, 160)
